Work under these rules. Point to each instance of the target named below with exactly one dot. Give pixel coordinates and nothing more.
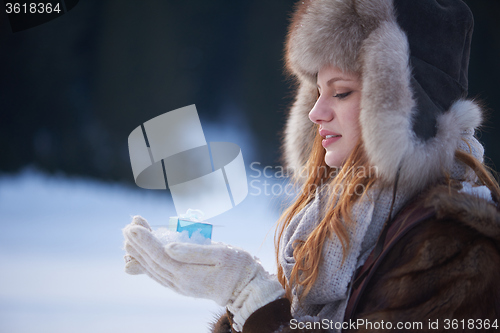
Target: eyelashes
(339, 96)
(342, 96)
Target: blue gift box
(179, 224)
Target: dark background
(72, 89)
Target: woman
(397, 221)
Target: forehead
(330, 74)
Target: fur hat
(413, 58)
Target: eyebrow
(335, 79)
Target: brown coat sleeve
(442, 270)
(222, 325)
(274, 317)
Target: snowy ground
(61, 256)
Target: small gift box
(191, 221)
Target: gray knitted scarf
(328, 297)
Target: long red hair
(346, 182)
(337, 220)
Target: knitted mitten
(228, 275)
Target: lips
(326, 142)
(329, 137)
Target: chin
(333, 160)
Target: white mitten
(229, 276)
(132, 266)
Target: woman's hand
(132, 266)
(206, 271)
(229, 276)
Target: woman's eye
(342, 96)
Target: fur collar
(469, 210)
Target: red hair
(337, 221)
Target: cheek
(351, 121)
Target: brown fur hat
(413, 59)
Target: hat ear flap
(299, 130)
(387, 103)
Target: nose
(322, 112)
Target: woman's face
(337, 113)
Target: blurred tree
(73, 89)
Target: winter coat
(445, 271)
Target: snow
(166, 236)
(62, 258)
